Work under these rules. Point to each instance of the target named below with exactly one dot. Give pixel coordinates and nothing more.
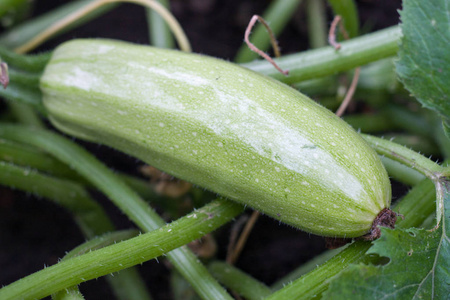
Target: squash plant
(230, 130)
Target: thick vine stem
(326, 61)
(238, 281)
(97, 243)
(87, 213)
(405, 156)
(125, 254)
(30, 64)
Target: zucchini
(225, 128)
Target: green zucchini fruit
(225, 128)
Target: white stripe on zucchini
(222, 127)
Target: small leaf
(424, 65)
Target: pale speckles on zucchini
(228, 129)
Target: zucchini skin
(225, 128)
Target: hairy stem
(405, 156)
(326, 61)
(125, 254)
(238, 281)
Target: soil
(35, 232)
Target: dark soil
(35, 233)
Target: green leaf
(424, 65)
(419, 266)
(418, 269)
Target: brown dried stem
(332, 40)
(273, 41)
(332, 33)
(236, 249)
(349, 95)
(4, 77)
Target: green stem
(27, 30)
(115, 281)
(24, 155)
(85, 164)
(408, 120)
(317, 24)
(122, 196)
(324, 86)
(326, 61)
(347, 10)
(125, 254)
(376, 79)
(129, 285)
(420, 123)
(402, 173)
(316, 281)
(370, 123)
(25, 95)
(27, 63)
(442, 140)
(24, 78)
(24, 87)
(405, 156)
(72, 293)
(420, 144)
(25, 114)
(423, 195)
(89, 215)
(305, 268)
(160, 34)
(180, 288)
(277, 15)
(101, 241)
(378, 76)
(238, 281)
